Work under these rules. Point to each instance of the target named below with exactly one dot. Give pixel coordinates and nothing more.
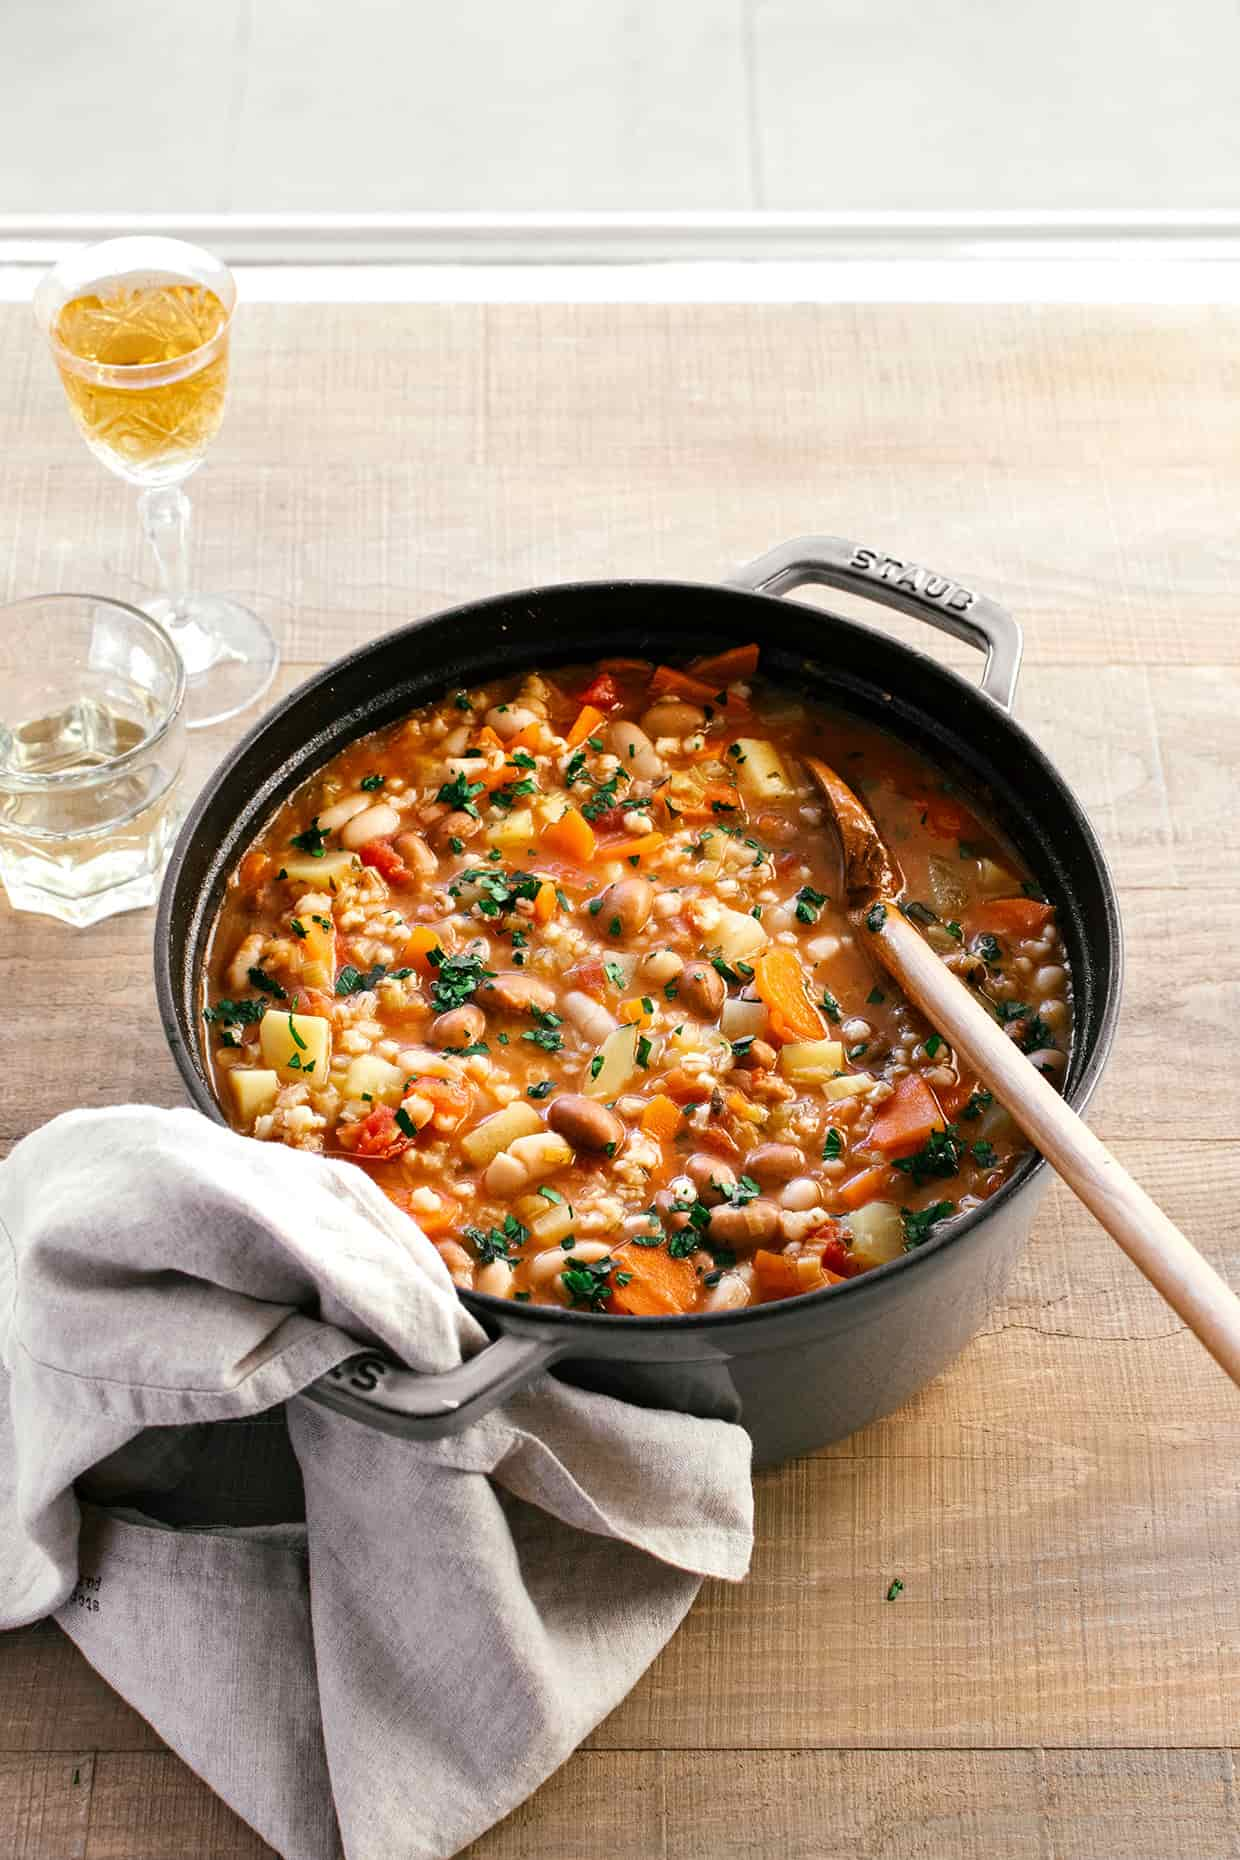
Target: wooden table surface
(1061, 1675)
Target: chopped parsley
(681, 1245)
(988, 949)
(985, 1154)
(875, 998)
(980, 1101)
(932, 1045)
(459, 794)
(917, 1226)
(297, 927)
(461, 700)
(737, 753)
(939, 1156)
(351, 981)
(596, 1065)
(468, 1052)
(588, 1285)
(405, 1123)
(552, 1195)
(615, 974)
(833, 1147)
(267, 983)
(809, 903)
(740, 1193)
(830, 1006)
(371, 782)
(456, 978)
(238, 1013)
(644, 1050)
(496, 1242)
(741, 1047)
(540, 1090)
(876, 917)
(953, 930)
(545, 1037)
(743, 972)
(312, 841)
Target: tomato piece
(837, 1258)
(378, 1135)
(386, 861)
(603, 693)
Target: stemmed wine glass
(139, 331)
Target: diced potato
(995, 880)
(254, 1091)
(515, 829)
(761, 775)
(877, 1232)
(619, 1055)
(948, 892)
(375, 1078)
(496, 1132)
(811, 1061)
(739, 936)
(318, 946)
(744, 1019)
(851, 1085)
(325, 873)
(299, 1046)
(550, 1228)
(995, 1125)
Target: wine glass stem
(165, 513)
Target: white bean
(636, 751)
(730, 1294)
(662, 964)
(496, 1279)
(508, 720)
(801, 1192)
(589, 1016)
(375, 823)
(545, 1266)
(336, 815)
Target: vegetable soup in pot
(561, 961)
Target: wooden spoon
(1171, 1263)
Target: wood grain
(1061, 1675)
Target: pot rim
(550, 1318)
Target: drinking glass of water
(92, 743)
(139, 330)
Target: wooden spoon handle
(1171, 1263)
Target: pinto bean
(747, 1227)
(373, 823)
(636, 751)
(416, 854)
(584, 1123)
(631, 900)
(710, 1175)
(517, 994)
(759, 1056)
(459, 1026)
(672, 717)
(672, 1220)
(774, 1162)
(457, 826)
(701, 988)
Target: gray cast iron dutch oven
(808, 1370)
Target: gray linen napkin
(365, 1645)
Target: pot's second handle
(834, 563)
(371, 1388)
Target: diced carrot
(685, 1087)
(588, 721)
(907, 1118)
(780, 981)
(546, 904)
(487, 738)
(253, 870)
(953, 1098)
(723, 668)
(775, 1275)
(1018, 917)
(643, 846)
(422, 939)
(719, 800)
(633, 1012)
(669, 682)
(435, 1220)
(529, 738)
(870, 1185)
(740, 1106)
(571, 835)
(662, 1118)
(657, 1285)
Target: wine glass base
(229, 654)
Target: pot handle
(370, 1387)
(834, 563)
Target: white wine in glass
(139, 329)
